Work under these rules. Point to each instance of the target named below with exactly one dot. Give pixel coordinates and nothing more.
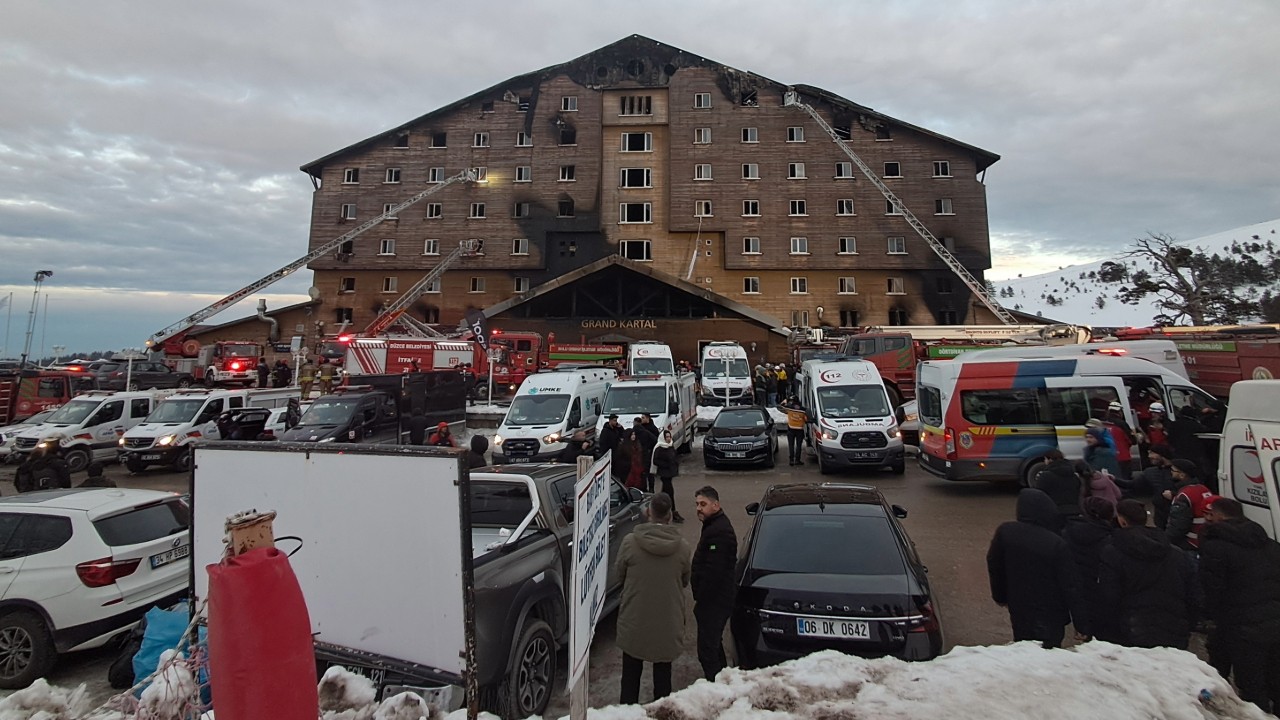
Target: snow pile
(173, 691)
(343, 693)
(44, 702)
(1076, 292)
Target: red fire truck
(1217, 356)
(25, 394)
(225, 362)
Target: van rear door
(1257, 486)
(1072, 401)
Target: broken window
(636, 178)
(882, 132)
(522, 104)
(347, 248)
(438, 140)
(944, 288)
(486, 106)
(347, 285)
(402, 140)
(431, 315)
(842, 131)
(892, 169)
(637, 142)
(568, 136)
(343, 315)
(848, 318)
(636, 249)
(750, 99)
(636, 105)
(635, 213)
(564, 209)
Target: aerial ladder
(792, 98)
(395, 312)
(203, 314)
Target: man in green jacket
(653, 565)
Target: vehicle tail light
(104, 572)
(949, 437)
(1113, 351)
(927, 622)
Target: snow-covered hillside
(1075, 295)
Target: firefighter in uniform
(306, 376)
(326, 376)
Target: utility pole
(41, 275)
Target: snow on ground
(1079, 294)
(1015, 681)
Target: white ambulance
(1250, 452)
(851, 422)
(669, 399)
(726, 375)
(548, 409)
(91, 424)
(650, 357)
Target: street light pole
(57, 352)
(31, 316)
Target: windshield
(241, 351)
(635, 400)
(327, 412)
(817, 353)
(852, 401)
(652, 366)
(740, 419)
(785, 544)
(718, 368)
(74, 413)
(176, 411)
(537, 409)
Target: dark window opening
(637, 142)
(486, 106)
(898, 317)
(431, 315)
(343, 315)
(568, 136)
(522, 104)
(439, 139)
(565, 208)
(347, 247)
(402, 140)
(947, 317)
(843, 132)
(944, 288)
(750, 99)
(882, 132)
(848, 318)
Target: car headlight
(328, 439)
(119, 442)
(553, 437)
(497, 440)
(760, 442)
(166, 440)
(829, 434)
(895, 432)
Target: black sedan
(741, 436)
(828, 567)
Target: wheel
(132, 386)
(26, 650)
(481, 391)
(823, 467)
(77, 459)
(1032, 470)
(184, 382)
(900, 467)
(532, 673)
(182, 463)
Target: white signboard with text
(590, 563)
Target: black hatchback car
(827, 566)
(741, 436)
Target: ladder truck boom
(395, 311)
(279, 274)
(792, 98)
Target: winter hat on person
(1099, 508)
(1185, 466)
(442, 427)
(94, 469)
(1093, 423)
(479, 444)
(1156, 408)
(1097, 434)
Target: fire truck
(225, 362)
(25, 393)
(1217, 356)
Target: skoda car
(829, 567)
(741, 436)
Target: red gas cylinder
(261, 659)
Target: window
(750, 246)
(569, 103)
(635, 213)
(636, 178)
(481, 139)
(882, 133)
(636, 250)
(402, 141)
(524, 139)
(844, 207)
(477, 285)
(701, 101)
(387, 246)
(750, 171)
(481, 173)
(847, 287)
(486, 106)
(564, 209)
(347, 248)
(702, 136)
(389, 284)
(435, 175)
(795, 171)
(343, 315)
(799, 246)
(848, 318)
(520, 246)
(941, 168)
(431, 246)
(751, 285)
(520, 210)
(477, 211)
(351, 176)
(435, 210)
(890, 208)
(750, 135)
(637, 142)
(393, 175)
(942, 206)
(524, 173)
(844, 170)
(522, 103)
(799, 318)
(944, 285)
(848, 246)
(31, 534)
(895, 286)
(521, 285)
(348, 211)
(347, 285)
(702, 171)
(947, 317)
(892, 169)
(568, 136)
(795, 134)
(439, 140)
(898, 316)
(386, 210)
(702, 208)
(751, 208)
(897, 246)
(568, 173)
(431, 315)
(434, 287)
(635, 105)
(798, 207)
(799, 286)
(949, 243)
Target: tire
(182, 463)
(823, 467)
(1030, 474)
(531, 677)
(26, 650)
(900, 467)
(77, 459)
(132, 386)
(184, 382)
(135, 466)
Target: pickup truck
(521, 533)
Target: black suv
(368, 416)
(827, 566)
(145, 375)
(741, 436)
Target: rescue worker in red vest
(1122, 435)
(1191, 500)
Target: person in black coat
(610, 436)
(1033, 573)
(666, 465)
(1087, 534)
(712, 580)
(1159, 479)
(475, 455)
(1147, 585)
(1240, 575)
(264, 372)
(1060, 482)
(647, 436)
(44, 468)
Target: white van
(185, 417)
(1161, 352)
(548, 409)
(726, 375)
(650, 357)
(91, 424)
(1249, 458)
(669, 399)
(851, 422)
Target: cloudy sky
(149, 150)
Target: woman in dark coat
(635, 460)
(667, 464)
(1087, 535)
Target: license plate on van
(150, 457)
(833, 628)
(169, 556)
(519, 460)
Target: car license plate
(150, 457)
(519, 460)
(739, 454)
(865, 455)
(833, 628)
(169, 556)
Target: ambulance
(90, 425)
(650, 357)
(992, 415)
(850, 419)
(726, 375)
(669, 399)
(1250, 452)
(548, 409)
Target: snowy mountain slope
(1072, 295)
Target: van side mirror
(899, 511)
(636, 495)
(753, 508)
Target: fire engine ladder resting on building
(792, 98)
(395, 312)
(200, 316)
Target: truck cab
(91, 424)
(850, 423)
(548, 410)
